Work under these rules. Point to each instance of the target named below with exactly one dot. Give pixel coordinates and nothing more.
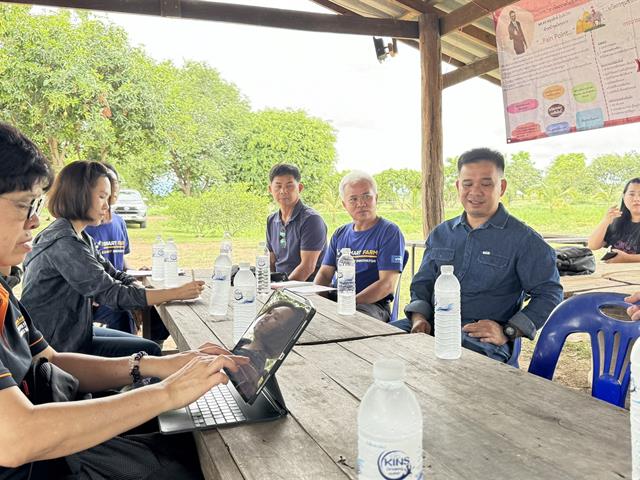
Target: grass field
(200, 252)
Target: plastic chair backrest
(611, 342)
(396, 297)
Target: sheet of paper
(289, 284)
(311, 289)
(139, 273)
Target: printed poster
(568, 65)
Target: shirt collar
(499, 219)
(296, 210)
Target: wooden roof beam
(247, 15)
(472, 32)
(470, 12)
(466, 72)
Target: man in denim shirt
(498, 260)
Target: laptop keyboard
(216, 407)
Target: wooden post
(432, 161)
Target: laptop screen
(269, 339)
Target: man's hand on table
(634, 310)
(420, 324)
(487, 331)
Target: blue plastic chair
(609, 337)
(396, 296)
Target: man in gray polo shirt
(296, 234)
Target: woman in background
(620, 228)
(65, 274)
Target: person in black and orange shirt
(81, 437)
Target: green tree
(198, 124)
(523, 178)
(397, 186)
(610, 172)
(73, 84)
(565, 180)
(450, 191)
(276, 136)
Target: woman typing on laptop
(79, 439)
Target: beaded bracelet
(134, 366)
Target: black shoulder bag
(46, 383)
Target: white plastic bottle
(226, 246)
(157, 265)
(634, 387)
(448, 327)
(220, 285)
(346, 283)
(263, 270)
(244, 301)
(389, 427)
(171, 264)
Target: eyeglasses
(356, 199)
(283, 237)
(32, 208)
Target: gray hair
(357, 176)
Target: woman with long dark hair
(620, 227)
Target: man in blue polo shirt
(296, 234)
(498, 260)
(377, 245)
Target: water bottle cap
(262, 244)
(447, 269)
(389, 370)
(244, 265)
(345, 250)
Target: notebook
(252, 394)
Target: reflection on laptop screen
(268, 339)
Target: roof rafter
(470, 12)
(244, 14)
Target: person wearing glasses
(82, 439)
(65, 274)
(499, 261)
(296, 233)
(376, 244)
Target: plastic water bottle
(448, 327)
(221, 285)
(226, 246)
(389, 427)
(244, 301)
(263, 270)
(171, 264)
(346, 283)
(157, 265)
(634, 387)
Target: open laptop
(252, 394)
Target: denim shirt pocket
(488, 272)
(441, 256)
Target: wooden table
(482, 419)
(622, 277)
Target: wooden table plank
(477, 428)
(581, 283)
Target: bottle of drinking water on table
(448, 328)
(226, 246)
(346, 283)
(389, 427)
(157, 266)
(263, 269)
(171, 264)
(634, 388)
(244, 300)
(220, 285)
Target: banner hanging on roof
(568, 65)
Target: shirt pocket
(441, 256)
(488, 272)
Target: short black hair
(22, 164)
(112, 169)
(282, 169)
(71, 194)
(476, 155)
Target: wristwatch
(510, 332)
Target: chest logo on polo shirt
(21, 326)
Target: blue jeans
(121, 320)
(501, 353)
(112, 343)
